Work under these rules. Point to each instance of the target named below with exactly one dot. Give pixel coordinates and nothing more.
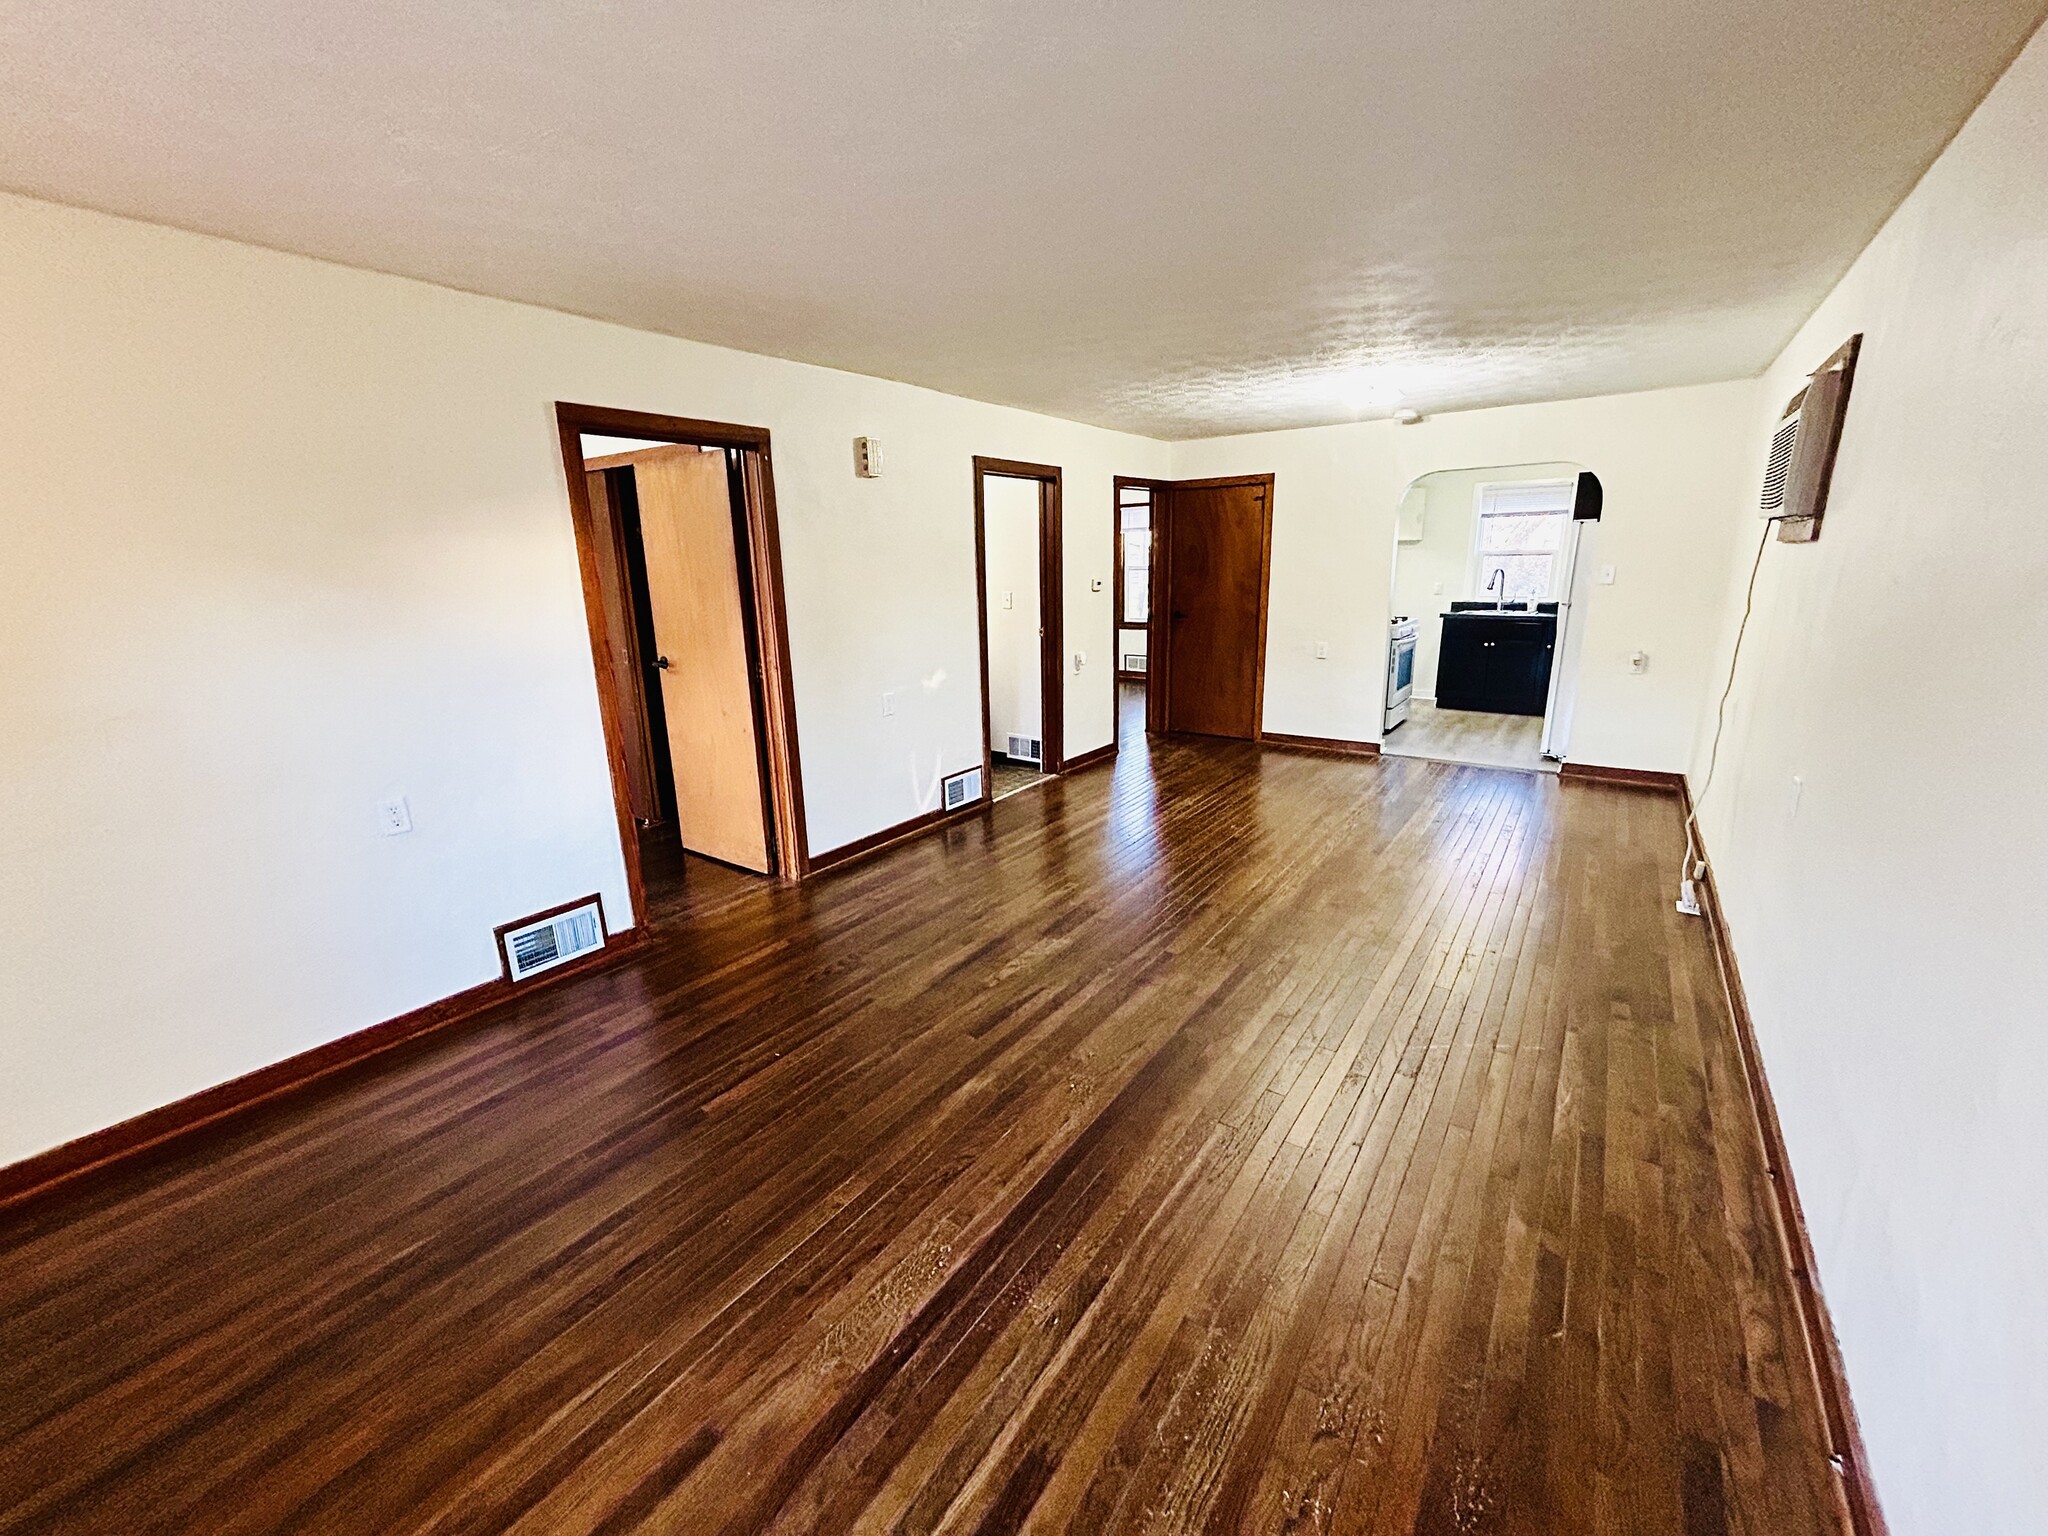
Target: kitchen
(1485, 571)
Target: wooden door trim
(1159, 645)
(771, 621)
(1052, 705)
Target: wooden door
(1217, 537)
(700, 632)
(622, 647)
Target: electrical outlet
(888, 703)
(1008, 601)
(394, 817)
(1322, 650)
(1638, 662)
(1439, 589)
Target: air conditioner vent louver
(962, 789)
(1784, 443)
(541, 943)
(1026, 749)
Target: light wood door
(707, 686)
(1215, 601)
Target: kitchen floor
(1470, 736)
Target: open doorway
(1132, 602)
(682, 580)
(1017, 568)
(1490, 568)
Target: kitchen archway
(1490, 573)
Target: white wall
(1015, 670)
(1891, 916)
(1672, 461)
(284, 538)
(1434, 571)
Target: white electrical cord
(1690, 870)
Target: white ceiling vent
(541, 943)
(962, 789)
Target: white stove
(1400, 670)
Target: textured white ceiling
(1181, 219)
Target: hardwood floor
(1225, 1141)
(1008, 777)
(1469, 736)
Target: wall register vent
(1025, 749)
(548, 939)
(962, 789)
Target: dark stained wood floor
(1228, 1141)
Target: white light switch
(1322, 650)
(888, 703)
(394, 817)
(1439, 589)
(1007, 602)
(1606, 575)
(1080, 660)
(1095, 585)
(1638, 662)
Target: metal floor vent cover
(542, 942)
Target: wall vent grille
(1026, 749)
(962, 789)
(541, 943)
(1784, 443)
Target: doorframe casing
(783, 786)
(1159, 648)
(1052, 683)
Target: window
(1520, 535)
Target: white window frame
(1488, 491)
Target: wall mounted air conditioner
(1803, 448)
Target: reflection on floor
(1470, 736)
(1130, 714)
(1007, 776)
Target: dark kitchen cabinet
(1496, 662)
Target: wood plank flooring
(1228, 1141)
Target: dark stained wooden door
(1217, 541)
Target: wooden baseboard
(168, 1129)
(1335, 744)
(889, 837)
(1090, 759)
(1845, 1436)
(1636, 778)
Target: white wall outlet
(867, 457)
(394, 817)
(888, 703)
(1009, 600)
(1439, 589)
(1080, 660)
(1606, 575)
(1322, 650)
(1638, 662)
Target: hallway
(1220, 1140)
